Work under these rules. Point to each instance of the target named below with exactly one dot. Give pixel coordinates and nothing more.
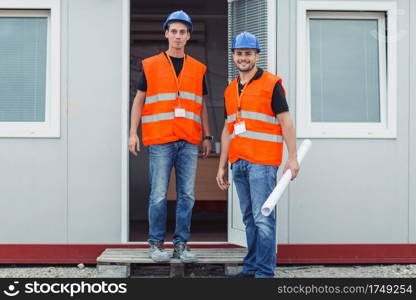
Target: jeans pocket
(272, 175)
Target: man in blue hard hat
(169, 103)
(257, 122)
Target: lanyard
(240, 96)
(177, 80)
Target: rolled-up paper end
(266, 211)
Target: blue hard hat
(179, 16)
(245, 40)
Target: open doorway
(208, 44)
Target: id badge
(240, 127)
(179, 112)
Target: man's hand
(222, 180)
(206, 148)
(134, 144)
(293, 165)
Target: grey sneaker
(158, 253)
(182, 252)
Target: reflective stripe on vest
(190, 96)
(169, 116)
(172, 97)
(253, 116)
(260, 136)
(160, 97)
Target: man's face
(177, 35)
(245, 59)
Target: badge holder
(179, 112)
(240, 127)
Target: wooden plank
(220, 256)
(119, 260)
(190, 270)
(128, 260)
(177, 270)
(113, 271)
(107, 257)
(145, 257)
(128, 257)
(196, 250)
(212, 262)
(145, 253)
(133, 259)
(171, 248)
(199, 254)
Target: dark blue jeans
(183, 156)
(254, 183)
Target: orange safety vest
(262, 142)
(165, 92)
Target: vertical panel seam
(411, 207)
(291, 41)
(67, 119)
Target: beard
(247, 68)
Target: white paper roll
(274, 197)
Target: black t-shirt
(279, 103)
(177, 64)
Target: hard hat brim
(189, 25)
(232, 49)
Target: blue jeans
(254, 183)
(183, 156)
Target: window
(346, 84)
(29, 70)
(257, 17)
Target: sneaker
(158, 253)
(241, 275)
(182, 252)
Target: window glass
(344, 62)
(23, 57)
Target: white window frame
(387, 127)
(50, 128)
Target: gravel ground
(288, 271)
(41, 271)
(346, 271)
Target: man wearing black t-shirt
(257, 123)
(170, 105)
(279, 103)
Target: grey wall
(350, 190)
(67, 190)
(94, 120)
(412, 125)
(33, 190)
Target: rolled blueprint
(274, 196)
